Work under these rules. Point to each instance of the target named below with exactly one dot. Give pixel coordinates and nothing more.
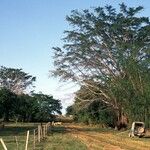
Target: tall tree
(15, 80)
(109, 48)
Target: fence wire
(20, 141)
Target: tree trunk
(6, 117)
(122, 120)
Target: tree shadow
(146, 137)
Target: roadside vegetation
(107, 53)
(14, 135)
(19, 103)
(63, 141)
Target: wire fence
(25, 140)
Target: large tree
(112, 49)
(15, 80)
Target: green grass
(58, 139)
(61, 141)
(13, 132)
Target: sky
(30, 28)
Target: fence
(26, 140)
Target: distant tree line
(108, 54)
(18, 103)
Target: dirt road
(107, 140)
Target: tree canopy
(108, 51)
(7, 99)
(17, 104)
(24, 107)
(47, 106)
(15, 80)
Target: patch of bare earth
(111, 147)
(106, 141)
(94, 143)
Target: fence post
(33, 139)
(3, 144)
(27, 139)
(44, 131)
(16, 142)
(39, 130)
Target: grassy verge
(14, 135)
(61, 141)
(72, 137)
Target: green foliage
(97, 112)
(46, 106)
(108, 52)
(69, 110)
(25, 108)
(37, 107)
(7, 99)
(14, 104)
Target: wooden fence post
(39, 134)
(3, 144)
(27, 140)
(44, 131)
(16, 142)
(33, 139)
(46, 128)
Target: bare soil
(111, 140)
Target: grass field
(73, 137)
(14, 136)
(59, 141)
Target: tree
(47, 106)
(90, 108)
(70, 110)
(7, 100)
(15, 80)
(25, 108)
(111, 49)
(35, 107)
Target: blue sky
(28, 30)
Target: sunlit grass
(72, 137)
(61, 141)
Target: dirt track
(108, 140)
